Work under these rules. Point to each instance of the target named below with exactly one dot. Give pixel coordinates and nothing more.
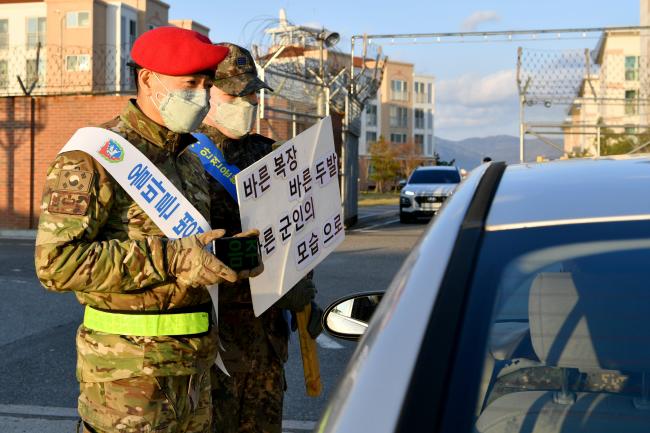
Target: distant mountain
(469, 152)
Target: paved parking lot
(38, 389)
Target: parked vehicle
(524, 308)
(426, 190)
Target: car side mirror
(348, 317)
(402, 183)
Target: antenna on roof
(283, 18)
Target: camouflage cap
(237, 74)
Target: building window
(630, 102)
(418, 115)
(77, 19)
(35, 74)
(420, 92)
(398, 117)
(398, 138)
(371, 137)
(4, 74)
(430, 144)
(35, 32)
(371, 115)
(419, 142)
(4, 34)
(77, 63)
(133, 30)
(630, 130)
(429, 93)
(631, 68)
(429, 119)
(399, 90)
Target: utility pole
(522, 101)
(32, 132)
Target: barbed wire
(53, 70)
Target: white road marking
(298, 425)
(369, 229)
(327, 343)
(10, 413)
(372, 215)
(43, 411)
(13, 280)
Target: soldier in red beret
(146, 345)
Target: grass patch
(375, 199)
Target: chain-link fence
(587, 102)
(56, 70)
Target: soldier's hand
(193, 265)
(315, 324)
(299, 296)
(250, 273)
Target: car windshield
(568, 346)
(434, 176)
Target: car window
(568, 347)
(434, 176)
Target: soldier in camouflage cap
(96, 241)
(250, 400)
(237, 74)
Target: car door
(378, 390)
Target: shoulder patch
(74, 181)
(69, 203)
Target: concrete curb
(18, 234)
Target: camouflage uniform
(94, 240)
(256, 348)
(550, 379)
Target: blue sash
(215, 163)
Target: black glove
(315, 324)
(299, 296)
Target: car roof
(437, 167)
(572, 192)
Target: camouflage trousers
(148, 404)
(249, 402)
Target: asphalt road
(38, 389)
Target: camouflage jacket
(94, 240)
(248, 340)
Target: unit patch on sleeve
(70, 203)
(74, 181)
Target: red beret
(176, 51)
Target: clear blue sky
(455, 66)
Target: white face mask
(182, 110)
(236, 117)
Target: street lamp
(329, 38)
(326, 39)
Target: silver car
(426, 190)
(525, 308)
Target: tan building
(402, 110)
(192, 25)
(610, 99)
(82, 46)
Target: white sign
(292, 197)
